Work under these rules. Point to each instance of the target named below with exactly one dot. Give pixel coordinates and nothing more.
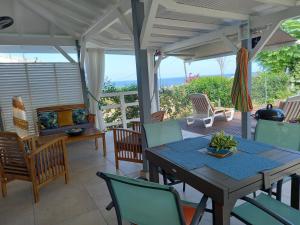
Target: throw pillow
(65, 118)
(80, 116)
(48, 120)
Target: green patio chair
(284, 135)
(265, 210)
(161, 133)
(141, 202)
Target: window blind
(39, 85)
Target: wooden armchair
(24, 159)
(128, 143)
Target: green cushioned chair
(284, 135)
(160, 133)
(141, 202)
(264, 210)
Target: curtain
(19, 117)
(95, 68)
(152, 80)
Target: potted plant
(222, 145)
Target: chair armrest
(268, 211)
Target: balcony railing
(122, 105)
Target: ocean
(163, 82)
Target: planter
(218, 153)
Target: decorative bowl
(74, 131)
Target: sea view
(163, 82)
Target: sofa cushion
(80, 116)
(65, 118)
(47, 120)
(61, 130)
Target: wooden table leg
(221, 215)
(295, 192)
(153, 173)
(104, 144)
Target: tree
(286, 58)
(221, 62)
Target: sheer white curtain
(95, 68)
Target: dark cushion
(80, 116)
(48, 120)
(64, 129)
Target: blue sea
(163, 82)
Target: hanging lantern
(19, 116)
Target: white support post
(142, 70)
(65, 54)
(123, 111)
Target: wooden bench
(90, 132)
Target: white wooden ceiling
(174, 26)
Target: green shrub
(217, 89)
(268, 87)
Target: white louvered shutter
(39, 85)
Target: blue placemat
(252, 147)
(189, 144)
(238, 166)
(241, 165)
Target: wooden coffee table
(88, 134)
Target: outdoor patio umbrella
(240, 93)
(19, 116)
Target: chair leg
(183, 186)
(36, 193)
(231, 114)
(4, 189)
(190, 120)
(117, 163)
(279, 190)
(211, 121)
(66, 177)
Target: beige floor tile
(91, 218)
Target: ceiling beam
(199, 40)
(117, 34)
(229, 43)
(185, 24)
(33, 39)
(172, 32)
(201, 11)
(106, 20)
(44, 13)
(84, 6)
(125, 23)
(162, 39)
(279, 2)
(148, 23)
(65, 54)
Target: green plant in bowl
(222, 144)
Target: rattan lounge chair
(205, 111)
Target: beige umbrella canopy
(19, 116)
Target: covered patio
(151, 30)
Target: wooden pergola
(190, 29)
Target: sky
(122, 67)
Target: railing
(122, 106)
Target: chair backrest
(201, 104)
(280, 134)
(160, 133)
(157, 116)
(143, 203)
(12, 156)
(291, 110)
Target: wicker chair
(23, 159)
(128, 143)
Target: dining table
(255, 166)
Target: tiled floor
(83, 200)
